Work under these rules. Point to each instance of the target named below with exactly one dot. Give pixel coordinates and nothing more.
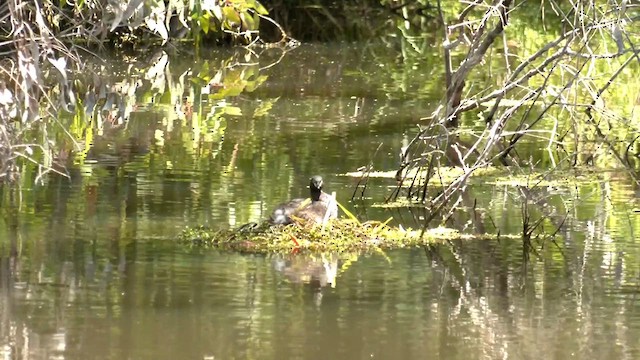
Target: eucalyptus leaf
(247, 20)
(217, 12)
(60, 64)
(261, 9)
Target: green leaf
(204, 24)
(247, 20)
(261, 9)
(230, 14)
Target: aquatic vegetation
(338, 235)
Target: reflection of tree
(512, 305)
(113, 275)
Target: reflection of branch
(234, 157)
(474, 304)
(364, 179)
(251, 50)
(285, 39)
(282, 54)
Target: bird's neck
(315, 194)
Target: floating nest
(337, 235)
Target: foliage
(94, 22)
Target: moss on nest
(338, 235)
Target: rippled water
(150, 300)
(90, 270)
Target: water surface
(90, 269)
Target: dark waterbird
(321, 206)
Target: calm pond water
(90, 270)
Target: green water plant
(337, 235)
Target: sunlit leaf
(6, 96)
(247, 20)
(217, 78)
(204, 24)
(125, 14)
(157, 25)
(348, 213)
(60, 64)
(158, 135)
(179, 7)
(261, 9)
(208, 5)
(230, 14)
